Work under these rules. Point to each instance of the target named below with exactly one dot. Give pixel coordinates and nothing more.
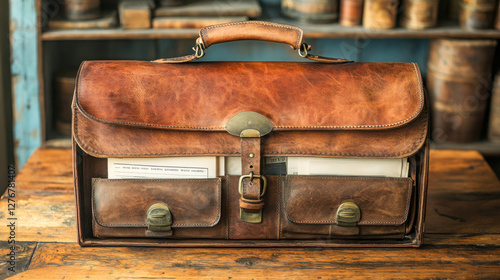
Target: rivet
(251, 155)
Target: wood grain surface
(24, 252)
(462, 239)
(463, 191)
(69, 261)
(47, 170)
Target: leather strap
(324, 59)
(180, 59)
(251, 205)
(250, 200)
(251, 30)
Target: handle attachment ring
(303, 49)
(199, 50)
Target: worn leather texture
(372, 115)
(98, 139)
(350, 110)
(121, 206)
(390, 208)
(293, 96)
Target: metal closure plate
(348, 214)
(249, 124)
(159, 217)
(251, 217)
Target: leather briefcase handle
(251, 30)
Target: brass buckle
(252, 217)
(251, 176)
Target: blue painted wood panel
(397, 50)
(25, 85)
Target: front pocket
(120, 208)
(311, 204)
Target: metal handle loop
(303, 49)
(199, 51)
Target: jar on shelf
(419, 14)
(380, 14)
(82, 9)
(312, 11)
(351, 12)
(477, 14)
(458, 75)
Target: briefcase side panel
(423, 175)
(85, 167)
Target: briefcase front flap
(149, 109)
(371, 201)
(128, 202)
(293, 96)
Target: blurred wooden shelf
(58, 143)
(486, 148)
(331, 30)
(118, 33)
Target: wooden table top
(462, 238)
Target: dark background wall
(6, 151)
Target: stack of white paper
(162, 168)
(211, 167)
(397, 167)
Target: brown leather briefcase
(324, 153)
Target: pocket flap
(315, 199)
(124, 203)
